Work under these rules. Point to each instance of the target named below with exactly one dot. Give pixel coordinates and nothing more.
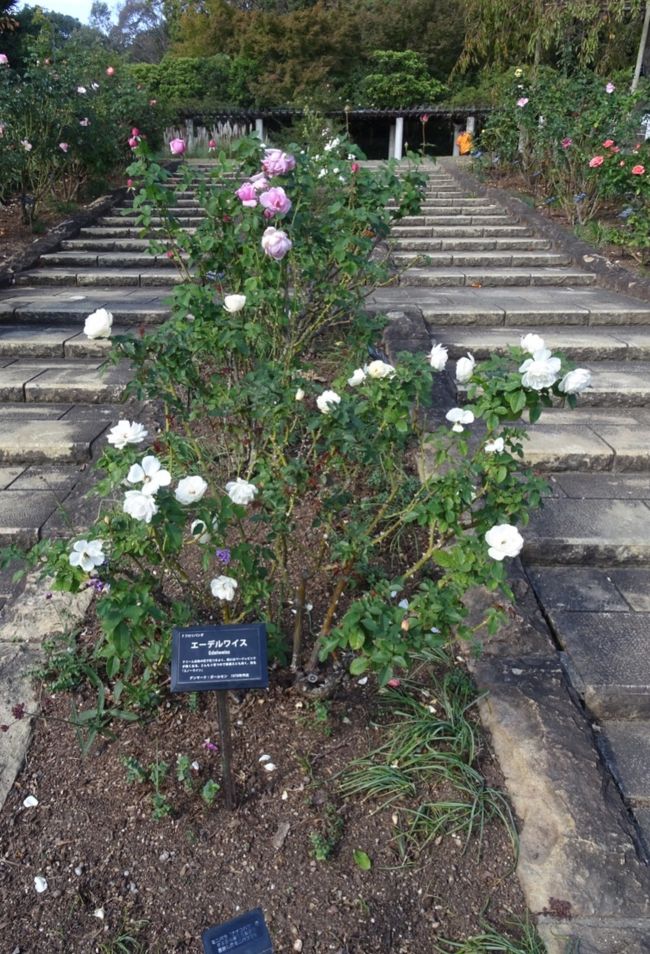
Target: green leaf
(358, 665)
(362, 860)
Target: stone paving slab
(628, 744)
(580, 344)
(34, 342)
(13, 379)
(59, 480)
(584, 589)
(634, 585)
(47, 440)
(576, 846)
(8, 475)
(85, 384)
(608, 658)
(575, 531)
(625, 936)
(567, 448)
(23, 513)
(605, 486)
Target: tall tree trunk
(644, 49)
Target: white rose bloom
(575, 381)
(358, 377)
(438, 357)
(126, 432)
(457, 416)
(241, 492)
(532, 343)
(300, 394)
(200, 532)
(223, 588)
(327, 400)
(99, 324)
(190, 490)
(139, 506)
(234, 303)
(540, 371)
(465, 368)
(503, 541)
(379, 369)
(150, 474)
(87, 554)
(497, 446)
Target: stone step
(49, 307)
(58, 341)
(45, 436)
(454, 203)
(132, 221)
(98, 232)
(455, 220)
(427, 244)
(626, 747)
(34, 380)
(461, 232)
(580, 442)
(497, 258)
(125, 212)
(495, 277)
(460, 209)
(621, 342)
(154, 277)
(107, 244)
(122, 260)
(29, 496)
(574, 531)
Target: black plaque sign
(247, 934)
(219, 657)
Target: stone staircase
(58, 396)
(479, 279)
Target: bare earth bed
(114, 871)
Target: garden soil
(120, 881)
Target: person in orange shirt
(465, 143)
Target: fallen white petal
(30, 802)
(269, 767)
(363, 680)
(99, 913)
(40, 883)
(264, 758)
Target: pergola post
(259, 129)
(471, 125)
(399, 137)
(457, 131)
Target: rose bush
(286, 471)
(574, 139)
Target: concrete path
(569, 703)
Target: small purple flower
(610, 88)
(209, 746)
(223, 555)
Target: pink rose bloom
(394, 683)
(522, 102)
(135, 131)
(4, 59)
(260, 182)
(152, 102)
(608, 143)
(276, 201)
(277, 163)
(596, 161)
(133, 142)
(275, 243)
(615, 149)
(566, 142)
(63, 146)
(247, 194)
(129, 183)
(110, 71)
(638, 170)
(355, 167)
(2, 130)
(610, 88)
(212, 145)
(177, 147)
